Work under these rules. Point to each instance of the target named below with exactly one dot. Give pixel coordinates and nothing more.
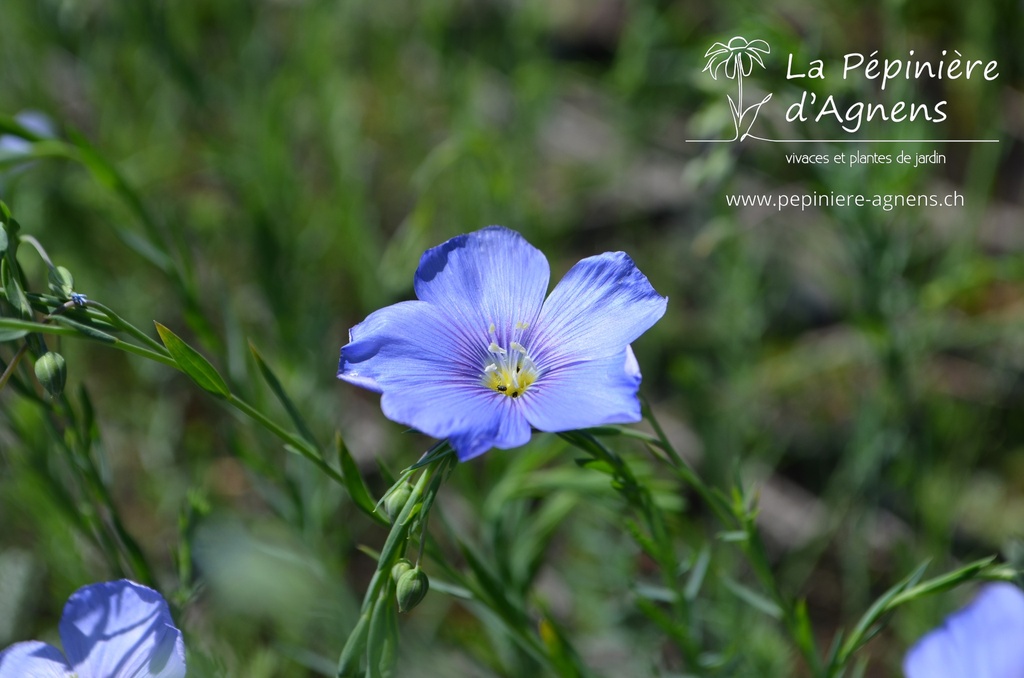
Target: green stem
(161, 356)
(38, 247)
(118, 321)
(13, 364)
(145, 353)
(639, 497)
(686, 473)
(297, 443)
(753, 547)
(394, 546)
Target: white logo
(736, 59)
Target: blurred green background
(863, 368)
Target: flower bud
(400, 568)
(62, 283)
(411, 588)
(395, 501)
(52, 373)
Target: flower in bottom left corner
(116, 629)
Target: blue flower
(33, 121)
(116, 629)
(482, 356)
(983, 640)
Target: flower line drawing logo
(736, 59)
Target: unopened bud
(52, 373)
(411, 588)
(395, 501)
(62, 283)
(400, 568)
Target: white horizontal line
(849, 141)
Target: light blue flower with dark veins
(116, 629)
(983, 640)
(482, 357)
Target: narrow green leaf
(453, 590)
(378, 633)
(12, 287)
(943, 582)
(354, 480)
(493, 588)
(372, 554)
(596, 465)
(752, 598)
(862, 632)
(661, 618)
(697, 574)
(348, 662)
(733, 536)
(83, 328)
(275, 385)
(11, 335)
(147, 245)
(192, 363)
(804, 636)
(29, 326)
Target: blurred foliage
(859, 370)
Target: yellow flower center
(509, 371)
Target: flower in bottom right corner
(985, 639)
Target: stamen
(509, 371)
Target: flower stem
(418, 503)
(294, 442)
(658, 545)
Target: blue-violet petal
(35, 659)
(983, 640)
(121, 629)
(601, 305)
(489, 276)
(585, 394)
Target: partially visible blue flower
(482, 356)
(35, 122)
(116, 629)
(983, 640)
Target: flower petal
(429, 370)
(983, 640)
(497, 421)
(585, 394)
(601, 305)
(412, 344)
(121, 629)
(491, 276)
(473, 419)
(33, 659)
